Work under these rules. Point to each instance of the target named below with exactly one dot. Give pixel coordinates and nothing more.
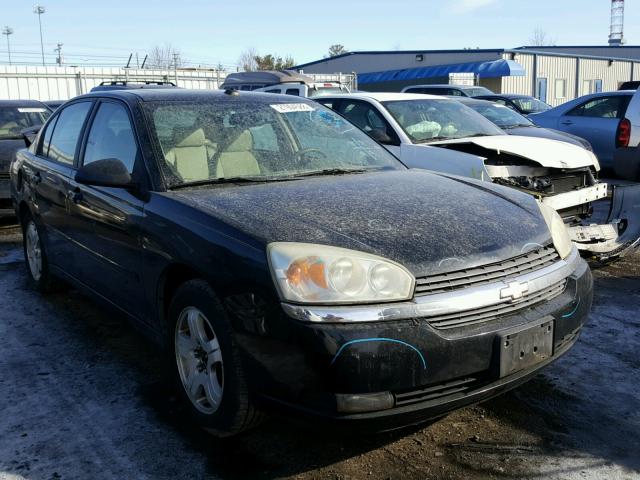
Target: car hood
(8, 149)
(545, 152)
(541, 132)
(429, 223)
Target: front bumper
(402, 370)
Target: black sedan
(17, 117)
(523, 104)
(282, 257)
(514, 123)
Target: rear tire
(35, 257)
(206, 362)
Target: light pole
(8, 31)
(39, 10)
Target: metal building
(553, 74)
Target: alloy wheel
(199, 360)
(34, 251)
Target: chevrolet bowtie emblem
(514, 290)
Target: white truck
(441, 134)
(289, 82)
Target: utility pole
(8, 31)
(58, 50)
(175, 66)
(39, 10)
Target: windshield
(502, 116)
(15, 119)
(477, 91)
(530, 104)
(235, 139)
(432, 120)
(319, 90)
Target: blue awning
(496, 68)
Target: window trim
(56, 116)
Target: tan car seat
(237, 160)
(190, 157)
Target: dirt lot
(81, 396)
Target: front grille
(4, 175)
(472, 277)
(504, 309)
(434, 392)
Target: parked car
(610, 121)
(282, 257)
(632, 85)
(448, 90)
(17, 118)
(53, 104)
(524, 104)
(514, 123)
(563, 176)
(131, 85)
(286, 82)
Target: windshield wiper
(221, 180)
(332, 171)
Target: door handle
(567, 122)
(75, 195)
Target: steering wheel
(306, 155)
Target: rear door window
(602, 107)
(61, 145)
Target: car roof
(386, 96)
(185, 95)
(21, 103)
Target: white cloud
(466, 6)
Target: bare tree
(250, 61)
(336, 49)
(541, 38)
(164, 57)
(247, 60)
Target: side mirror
(109, 172)
(29, 134)
(380, 136)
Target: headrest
(243, 143)
(185, 139)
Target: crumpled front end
(570, 191)
(619, 235)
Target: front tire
(206, 362)
(35, 257)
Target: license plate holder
(524, 347)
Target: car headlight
(321, 274)
(559, 232)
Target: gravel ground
(82, 396)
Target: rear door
(49, 176)
(109, 219)
(597, 120)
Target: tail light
(623, 135)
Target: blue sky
(209, 32)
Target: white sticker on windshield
(32, 110)
(292, 107)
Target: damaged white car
(559, 174)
